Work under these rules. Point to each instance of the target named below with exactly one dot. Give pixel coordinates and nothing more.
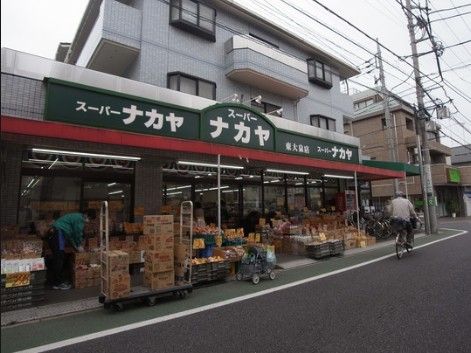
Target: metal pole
(423, 133)
(387, 116)
(219, 194)
(405, 186)
(356, 202)
(422, 184)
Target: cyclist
(401, 210)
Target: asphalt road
(421, 303)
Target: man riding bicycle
(402, 212)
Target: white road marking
(157, 320)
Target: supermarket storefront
(145, 157)
(263, 167)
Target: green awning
(409, 169)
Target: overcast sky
(37, 27)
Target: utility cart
(141, 293)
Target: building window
(319, 73)
(362, 104)
(410, 124)
(191, 85)
(323, 122)
(383, 123)
(264, 107)
(194, 17)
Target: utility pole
(387, 116)
(428, 195)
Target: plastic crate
(336, 247)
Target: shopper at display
(67, 229)
(402, 209)
(199, 212)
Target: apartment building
(461, 161)
(146, 85)
(369, 125)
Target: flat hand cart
(145, 294)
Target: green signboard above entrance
(75, 105)
(233, 124)
(287, 142)
(222, 123)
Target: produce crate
(336, 247)
(210, 272)
(318, 251)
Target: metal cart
(147, 295)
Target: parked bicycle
(403, 243)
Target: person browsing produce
(66, 229)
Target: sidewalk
(78, 306)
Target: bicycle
(402, 244)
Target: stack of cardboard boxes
(86, 269)
(117, 283)
(159, 251)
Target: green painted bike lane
(35, 334)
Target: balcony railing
(253, 62)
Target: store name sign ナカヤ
(231, 124)
(222, 123)
(76, 105)
(301, 145)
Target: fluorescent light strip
(212, 189)
(111, 184)
(198, 164)
(179, 187)
(286, 172)
(115, 192)
(85, 154)
(174, 193)
(338, 176)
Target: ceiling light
(111, 184)
(286, 172)
(85, 154)
(238, 178)
(115, 192)
(179, 187)
(338, 176)
(198, 164)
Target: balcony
(109, 41)
(435, 147)
(255, 63)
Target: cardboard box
(181, 257)
(159, 280)
(94, 258)
(118, 261)
(162, 265)
(117, 286)
(92, 243)
(158, 229)
(158, 219)
(159, 242)
(134, 257)
(158, 225)
(81, 259)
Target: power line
(457, 44)
(449, 17)
(383, 46)
(453, 8)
